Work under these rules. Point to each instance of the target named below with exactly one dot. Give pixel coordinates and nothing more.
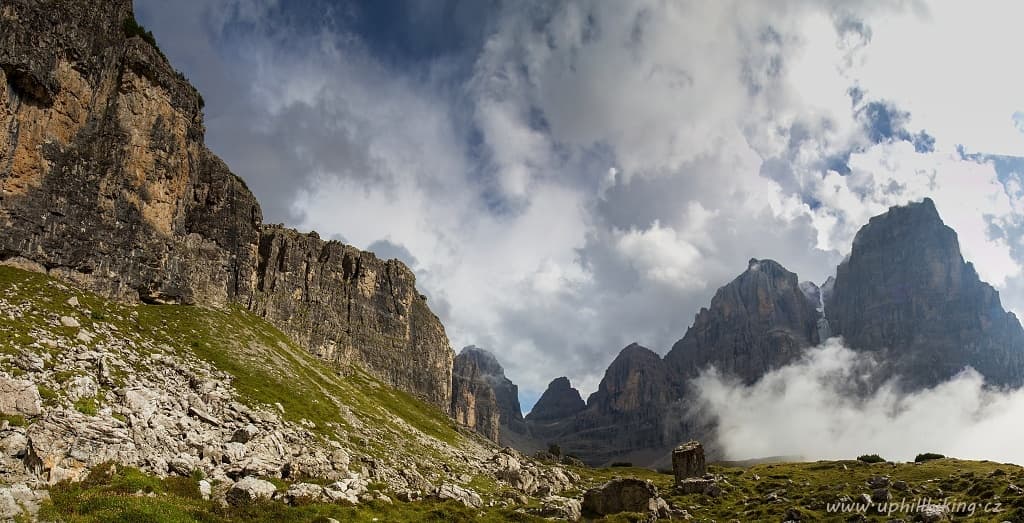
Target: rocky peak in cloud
(909, 306)
(906, 293)
(760, 320)
(482, 397)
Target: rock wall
(759, 321)
(105, 181)
(906, 293)
(348, 306)
(483, 398)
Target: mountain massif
(162, 325)
(904, 294)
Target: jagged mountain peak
(906, 290)
(635, 352)
(559, 400)
(483, 398)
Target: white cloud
(805, 409)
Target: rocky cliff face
(483, 398)
(560, 400)
(906, 293)
(347, 306)
(759, 321)
(621, 416)
(105, 181)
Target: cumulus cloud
(567, 178)
(810, 409)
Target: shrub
(133, 28)
(927, 456)
(871, 458)
(86, 406)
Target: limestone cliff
(105, 181)
(759, 321)
(560, 400)
(906, 294)
(483, 398)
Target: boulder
(688, 461)
(567, 509)
(463, 495)
(19, 397)
(303, 492)
(933, 513)
(624, 495)
(249, 489)
(694, 485)
(244, 434)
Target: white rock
(72, 301)
(20, 397)
(205, 489)
(462, 495)
(68, 321)
(249, 489)
(82, 387)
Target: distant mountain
(483, 398)
(905, 294)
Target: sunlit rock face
(105, 181)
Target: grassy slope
(267, 368)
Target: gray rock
(688, 461)
(561, 508)
(30, 362)
(68, 321)
(880, 495)
(244, 434)
(19, 397)
(623, 495)
(249, 489)
(694, 485)
(456, 493)
(933, 513)
(304, 492)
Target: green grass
(123, 494)
(266, 367)
(87, 406)
(14, 420)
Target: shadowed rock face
(105, 181)
(483, 398)
(560, 400)
(906, 293)
(759, 321)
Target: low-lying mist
(807, 409)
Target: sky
(566, 178)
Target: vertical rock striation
(483, 398)
(759, 321)
(906, 294)
(105, 181)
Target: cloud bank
(807, 409)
